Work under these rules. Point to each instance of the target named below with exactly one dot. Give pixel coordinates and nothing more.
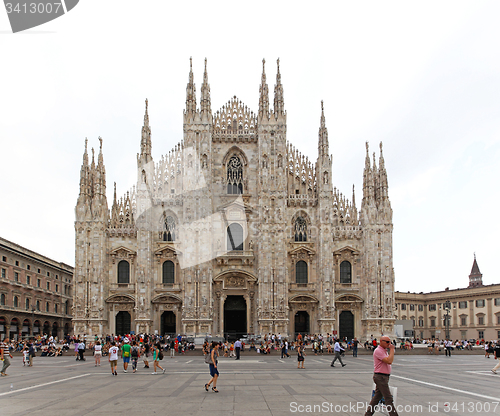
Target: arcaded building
(36, 294)
(234, 231)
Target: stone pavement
(256, 385)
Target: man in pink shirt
(382, 370)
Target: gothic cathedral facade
(233, 232)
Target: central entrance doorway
(168, 323)
(235, 317)
(122, 322)
(301, 323)
(346, 325)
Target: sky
(422, 77)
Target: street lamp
(33, 309)
(447, 308)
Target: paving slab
(427, 385)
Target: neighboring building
(36, 294)
(474, 312)
(232, 232)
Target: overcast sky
(423, 77)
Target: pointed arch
(301, 226)
(168, 226)
(234, 163)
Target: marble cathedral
(233, 232)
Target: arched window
(16, 302)
(169, 233)
(300, 229)
(345, 272)
(234, 237)
(301, 272)
(123, 272)
(168, 272)
(234, 176)
(2, 299)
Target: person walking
(172, 349)
(496, 353)
(146, 352)
(97, 353)
(81, 350)
(338, 350)
(125, 353)
(156, 358)
(237, 348)
(355, 343)
(5, 355)
(382, 361)
(135, 354)
(77, 343)
(113, 358)
(214, 372)
(447, 347)
(300, 355)
(31, 353)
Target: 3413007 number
(33, 8)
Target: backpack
(160, 355)
(135, 352)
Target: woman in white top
(97, 353)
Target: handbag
(208, 359)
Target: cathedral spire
(206, 110)
(323, 147)
(384, 186)
(84, 173)
(353, 197)
(279, 101)
(190, 92)
(100, 161)
(146, 145)
(367, 178)
(264, 95)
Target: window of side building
(432, 307)
(412, 307)
(462, 304)
(497, 301)
(420, 308)
(4, 273)
(480, 303)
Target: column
(221, 314)
(489, 311)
